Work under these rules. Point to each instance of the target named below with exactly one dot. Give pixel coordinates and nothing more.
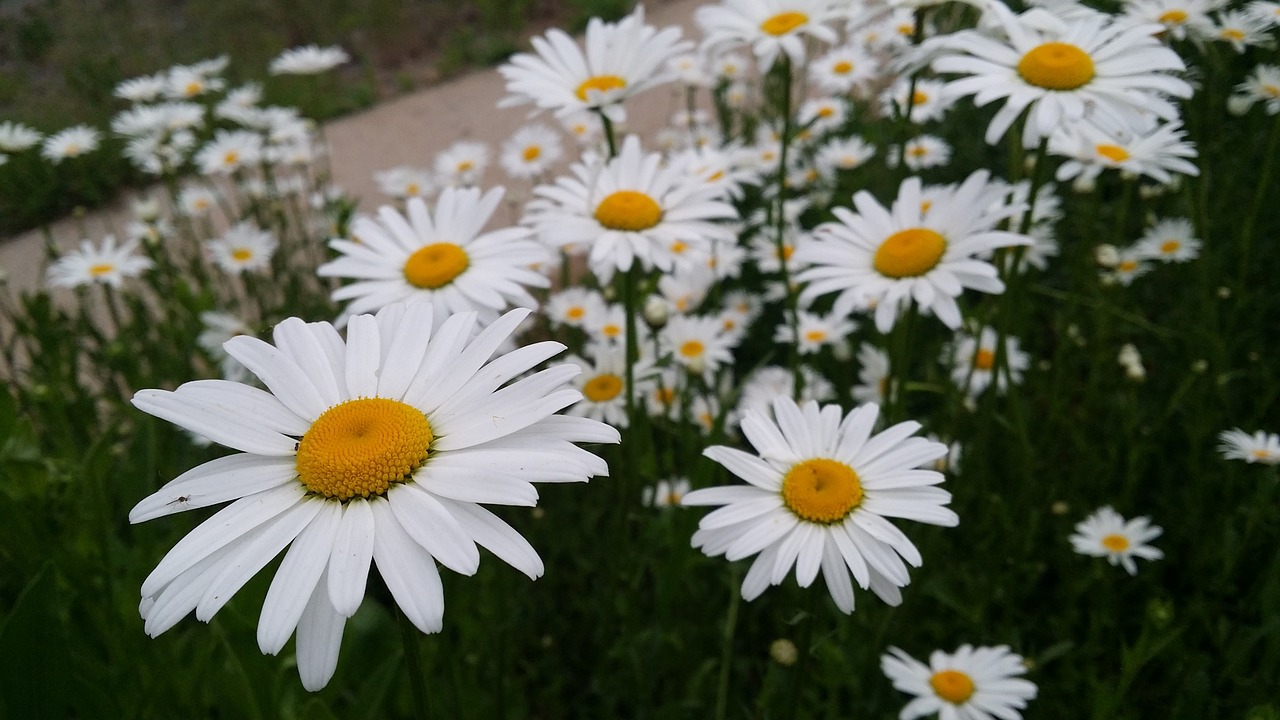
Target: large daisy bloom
(1260, 447)
(441, 257)
(109, 264)
(820, 491)
(374, 451)
(770, 27)
(980, 683)
(621, 60)
(631, 208)
(1062, 71)
(1107, 534)
(918, 250)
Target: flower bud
(784, 652)
(1106, 255)
(655, 312)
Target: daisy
(229, 151)
(621, 60)
(584, 126)
(441, 257)
(816, 331)
(308, 60)
(844, 154)
(16, 137)
(1265, 10)
(462, 163)
(609, 326)
(575, 307)
(630, 208)
(109, 264)
(927, 100)
(70, 143)
(147, 88)
(1262, 85)
(885, 258)
(926, 151)
(1107, 534)
(219, 327)
(1156, 152)
(685, 291)
(196, 201)
(980, 683)
(405, 182)
(687, 69)
(822, 115)
(666, 493)
(843, 70)
(1060, 70)
(770, 27)
(376, 451)
(764, 385)
(819, 495)
(1180, 18)
(973, 362)
(1241, 29)
(873, 375)
(603, 384)
(1260, 447)
(696, 344)
(189, 81)
(531, 151)
(245, 246)
(1130, 265)
(729, 67)
(1170, 240)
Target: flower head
(1260, 447)
(309, 60)
(16, 137)
(70, 143)
(980, 683)
(243, 247)
(769, 27)
(109, 264)
(1107, 534)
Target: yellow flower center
(101, 269)
(665, 395)
(692, 349)
(361, 446)
(531, 153)
(909, 253)
(241, 254)
(628, 210)
(919, 97)
(465, 165)
(826, 111)
(816, 336)
(821, 490)
(1115, 542)
(783, 23)
(1114, 153)
(575, 313)
(231, 157)
(918, 151)
(984, 359)
(71, 150)
(678, 247)
(952, 685)
(1127, 265)
(1056, 66)
(1260, 453)
(844, 67)
(412, 189)
(611, 330)
(1271, 90)
(193, 88)
(1232, 34)
(602, 83)
(435, 265)
(1170, 246)
(1172, 17)
(602, 388)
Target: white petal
(408, 570)
(434, 528)
(296, 578)
(225, 478)
(350, 558)
(319, 639)
(497, 537)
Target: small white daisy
(1241, 29)
(1157, 151)
(70, 143)
(769, 27)
(1181, 18)
(230, 151)
(196, 200)
(308, 60)
(697, 344)
(1262, 85)
(926, 151)
(1260, 447)
(845, 69)
(666, 493)
(982, 683)
(844, 154)
(576, 307)
(144, 89)
(1170, 240)
(108, 264)
(531, 151)
(819, 495)
(244, 247)
(816, 331)
(405, 182)
(1107, 534)
(1130, 265)
(603, 383)
(462, 163)
(927, 100)
(16, 137)
(873, 375)
(973, 361)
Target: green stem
(726, 644)
(409, 636)
(805, 646)
(609, 136)
(780, 226)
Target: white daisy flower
(1265, 10)
(1061, 71)
(927, 100)
(822, 115)
(576, 307)
(666, 493)
(219, 327)
(531, 151)
(244, 247)
(1170, 240)
(764, 385)
(632, 208)
(442, 257)
(229, 151)
(109, 264)
(845, 69)
(1241, 29)
(16, 137)
(621, 60)
(1107, 534)
(819, 495)
(189, 81)
(980, 683)
(1260, 447)
(196, 200)
(844, 154)
(603, 384)
(770, 27)
(405, 182)
(816, 331)
(926, 151)
(729, 66)
(1156, 152)
(462, 163)
(685, 291)
(585, 127)
(696, 344)
(687, 69)
(609, 326)
(873, 375)
(308, 60)
(70, 143)
(973, 361)
(888, 257)
(1130, 265)
(144, 89)
(1262, 85)
(377, 451)
(1181, 18)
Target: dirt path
(409, 130)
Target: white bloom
(109, 264)
(1260, 447)
(1105, 533)
(243, 247)
(980, 683)
(309, 60)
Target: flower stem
(805, 647)
(726, 645)
(413, 658)
(780, 225)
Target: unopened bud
(1083, 184)
(1060, 508)
(1239, 104)
(784, 652)
(656, 312)
(1224, 292)
(148, 211)
(1106, 255)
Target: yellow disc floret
(821, 490)
(602, 83)
(1056, 66)
(435, 265)
(101, 269)
(1115, 542)
(984, 359)
(602, 388)
(952, 685)
(1114, 153)
(360, 447)
(783, 23)
(628, 210)
(909, 253)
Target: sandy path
(409, 130)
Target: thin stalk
(609, 136)
(409, 637)
(780, 225)
(805, 646)
(726, 644)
